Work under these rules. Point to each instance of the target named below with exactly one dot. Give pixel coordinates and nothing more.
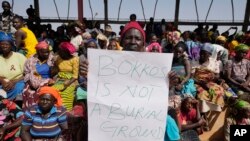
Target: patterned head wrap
(134, 25)
(68, 47)
(42, 45)
(242, 48)
(52, 91)
(5, 37)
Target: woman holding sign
(132, 39)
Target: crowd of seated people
(46, 78)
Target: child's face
(176, 80)
(178, 52)
(188, 105)
(155, 49)
(153, 39)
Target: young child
(190, 117)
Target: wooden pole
(176, 17)
(36, 6)
(105, 13)
(247, 16)
(80, 10)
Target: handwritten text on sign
(127, 95)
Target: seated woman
(238, 115)
(238, 70)
(181, 65)
(182, 120)
(11, 117)
(48, 110)
(37, 73)
(11, 73)
(205, 76)
(206, 73)
(68, 67)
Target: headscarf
(221, 38)
(241, 104)
(134, 25)
(242, 48)
(52, 91)
(232, 45)
(207, 47)
(68, 47)
(5, 37)
(152, 45)
(42, 45)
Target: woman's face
(185, 36)
(91, 45)
(188, 105)
(64, 54)
(241, 55)
(43, 53)
(5, 47)
(46, 102)
(112, 45)
(204, 56)
(178, 52)
(133, 41)
(6, 6)
(17, 23)
(153, 39)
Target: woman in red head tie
(37, 73)
(68, 67)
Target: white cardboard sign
(127, 95)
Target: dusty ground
(216, 127)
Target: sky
(220, 10)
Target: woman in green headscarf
(238, 69)
(239, 114)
